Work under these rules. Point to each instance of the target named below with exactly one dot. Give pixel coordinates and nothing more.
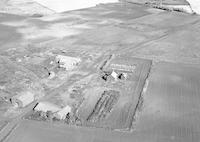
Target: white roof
(47, 106)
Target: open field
(24, 7)
(118, 67)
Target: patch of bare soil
(16, 81)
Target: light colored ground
(66, 5)
(24, 7)
(171, 100)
